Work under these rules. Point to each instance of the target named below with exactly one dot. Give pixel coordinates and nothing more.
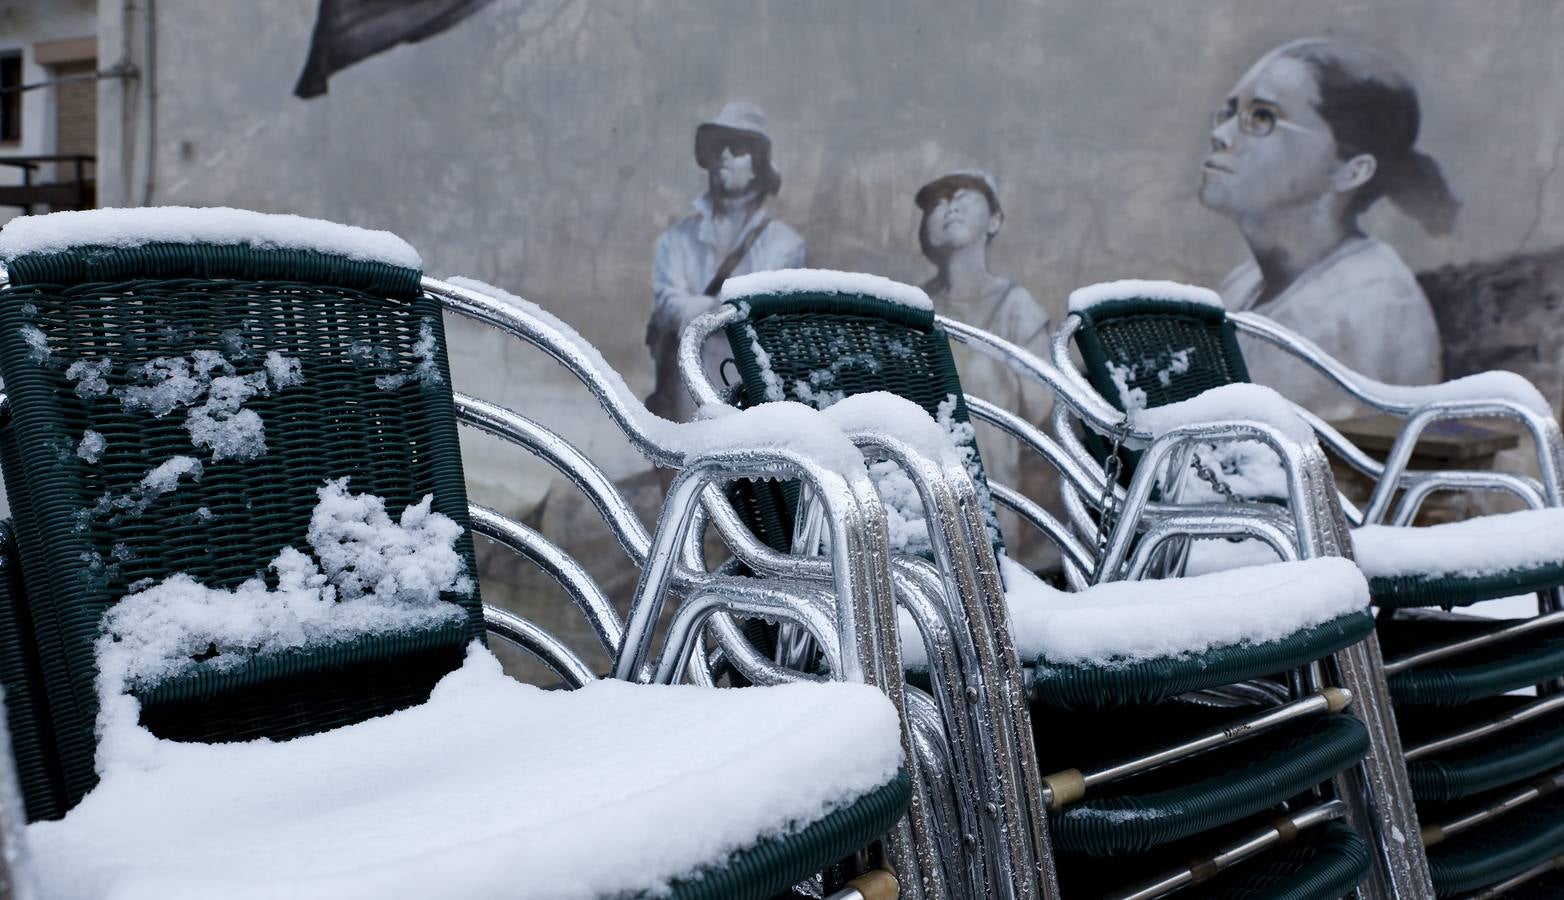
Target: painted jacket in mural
(686, 260)
(1362, 305)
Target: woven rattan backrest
(1149, 353)
(374, 405)
(820, 348)
(32, 744)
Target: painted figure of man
(730, 233)
(961, 216)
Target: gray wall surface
(544, 145)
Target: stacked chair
(1246, 766)
(184, 387)
(1483, 763)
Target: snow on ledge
(610, 790)
(823, 281)
(125, 228)
(1230, 402)
(1085, 298)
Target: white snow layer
(1230, 402)
(124, 228)
(1135, 289)
(1481, 546)
(1124, 622)
(899, 417)
(368, 575)
(823, 281)
(1495, 385)
(490, 789)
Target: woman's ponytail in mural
(1372, 108)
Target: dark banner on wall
(347, 31)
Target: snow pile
(823, 281)
(610, 790)
(1082, 299)
(124, 228)
(774, 390)
(368, 575)
(1228, 403)
(1125, 622)
(1487, 545)
(220, 423)
(38, 349)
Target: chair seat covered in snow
(1150, 345)
(1107, 651)
(249, 622)
(497, 788)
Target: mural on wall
(730, 233)
(1310, 138)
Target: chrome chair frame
(1378, 793)
(847, 609)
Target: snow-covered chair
(1111, 667)
(248, 622)
(1473, 753)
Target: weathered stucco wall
(544, 145)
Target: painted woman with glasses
(1311, 137)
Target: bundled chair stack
(244, 650)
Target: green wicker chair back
(32, 744)
(81, 331)
(1154, 352)
(822, 347)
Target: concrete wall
(543, 145)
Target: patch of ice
(91, 447)
(426, 371)
(1134, 289)
(389, 808)
(38, 349)
(123, 228)
(282, 371)
(823, 281)
(91, 376)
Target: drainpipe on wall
(127, 104)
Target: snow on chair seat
(1141, 641)
(492, 788)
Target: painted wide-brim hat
(737, 119)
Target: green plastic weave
(1325, 863)
(349, 323)
(1449, 591)
(853, 344)
(32, 744)
(1212, 789)
(1485, 672)
(1507, 846)
(1068, 687)
(1136, 341)
(771, 866)
(1509, 756)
